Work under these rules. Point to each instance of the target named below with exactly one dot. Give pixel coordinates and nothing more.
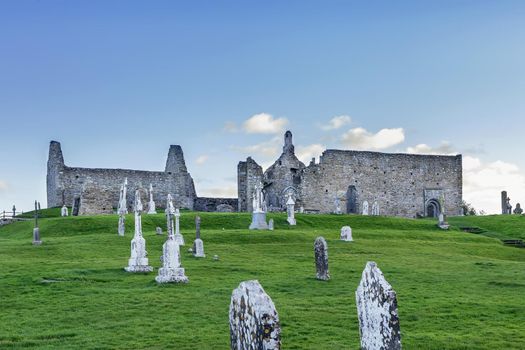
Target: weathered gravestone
(254, 322)
(76, 206)
(365, 208)
(290, 210)
(178, 236)
(122, 208)
(171, 270)
(259, 210)
(151, 204)
(138, 262)
(64, 211)
(377, 311)
(518, 209)
(346, 234)
(321, 259)
(198, 245)
(158, 230)
(270, 225)
(375, 208)
(36, 230)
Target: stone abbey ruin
(352, 182)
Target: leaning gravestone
(254, 322)
(377, 311)
(321, 259)
(346, 233)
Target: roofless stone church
(406, 185)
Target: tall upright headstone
(321, 259)
(36, 229)
(138, 262)
(346, 234)
(198, 245)
(178, 236)
(377, 311)
(290, 210)
(64, 211)
(506, 208)
(14, 211)
(337, 205)
(254, 321)
(171, 270)
(365, 208)
(259, 212)
(122, 208)
(151, 204)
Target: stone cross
(178, 236)
(259, 212)
(122, 208)
(171, 270)
(254, 321)
(377, 311)
(151, 204)
(170, 211)
(138, 262)
(321, 259)
(290, 210)
(14, 211)
(346, 234)
(365, 208)
(36, 230)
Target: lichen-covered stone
(377, 311)
(171, 270)
(321, 259)
(254, 321)
(138, 262)
(346, 234)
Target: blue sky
(117, 82)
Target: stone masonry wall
(248, 173)
(211, 204)
(64, 183)
(396, 181)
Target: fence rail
(9, 214)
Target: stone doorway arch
(432, 208)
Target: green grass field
(455, 290)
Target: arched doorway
(351, 200)
(432, 208)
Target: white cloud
(361, 139)
(337, 122)
(264, 123)
(483, 183)
(230, 127)
(306, 153)
(444, 149)
(201, 159)
(3, 186)
(229, 191)
(269, 148)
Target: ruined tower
(55, 166)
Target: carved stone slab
(254, 322)
(321, 259)
(377, 311)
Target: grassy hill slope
(455, 290)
